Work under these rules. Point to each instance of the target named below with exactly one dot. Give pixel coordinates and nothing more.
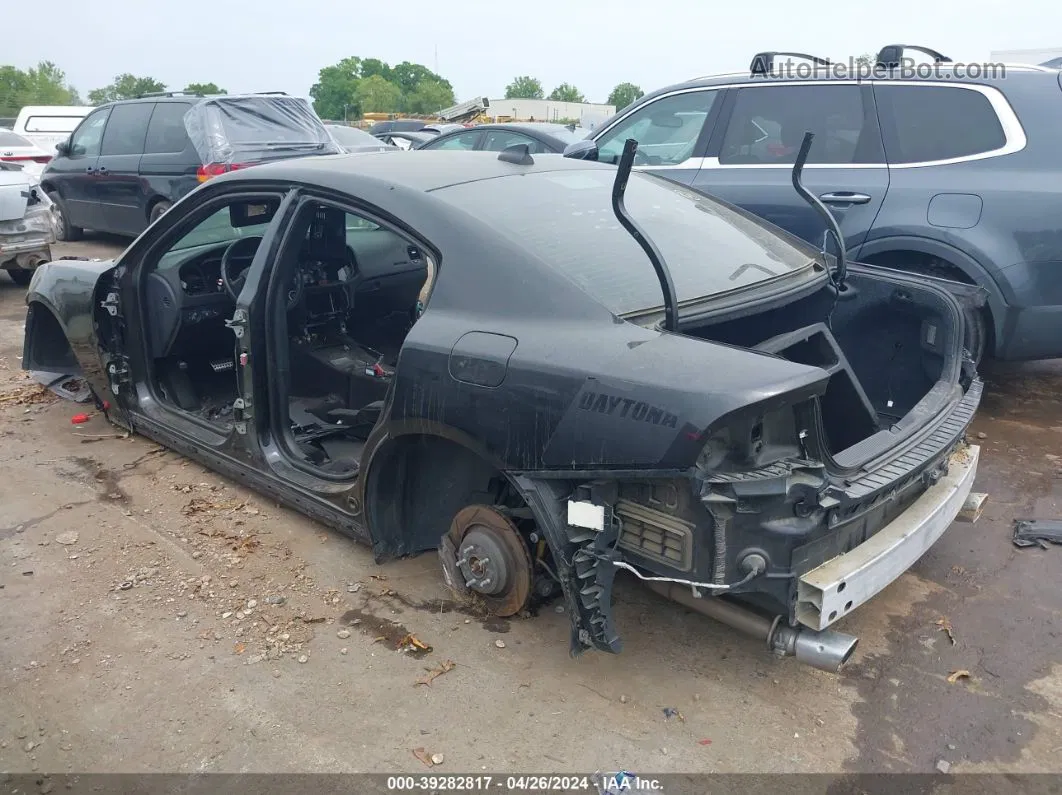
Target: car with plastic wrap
(128, 161)
(549, 371)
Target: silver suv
(930, 170)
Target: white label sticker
(586, 514)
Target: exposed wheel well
(47, 347)
(415, 487)
(920, 262)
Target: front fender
(65, 289)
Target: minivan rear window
(246, 129)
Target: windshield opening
(565, 218)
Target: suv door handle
(844, 197)
(103, 170)
(90, 169)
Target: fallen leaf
(377, 576)
(422, 755)
(955, 676)
(945, 626)
(239, 648)
(434, 673)
(379, 638)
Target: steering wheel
(233, 283)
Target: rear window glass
(52, 124)
(8, 138)
(927, 123)
(251, 128)
(566, 219)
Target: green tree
(204, 88)
(44, 84)
(429, 97)
(374, 67)
(125, 86)
(335, 92)
(376, 95)
(525, 87)
(867, 59)
(338, 92)
(623, 95)
(411, 76)
(566, 92)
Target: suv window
(126, 129)
(666, 130)
(166, 132)
(85, 142)
(768, 124)
(927, 123)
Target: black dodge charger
(549, 371)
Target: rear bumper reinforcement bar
(831, 591)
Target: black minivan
(130, 160)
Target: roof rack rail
(763, 62)
(890, 55)
(282, 93)
(169, 94)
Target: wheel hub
(489, 557)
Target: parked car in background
(354, 140)
(129, 161)
(394, 125)
(723, 413)
(946, 175)
(27, 223)
(49, 125)
(541, 137)
(439, 129)
(405, 139)
(15, 148)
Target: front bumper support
(831, 591)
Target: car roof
(549, 128)
(429, 170)
(837, 73)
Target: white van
(48, 125)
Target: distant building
(589, 115)
(1035, 57)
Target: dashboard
(383, 269)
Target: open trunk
(892, 347)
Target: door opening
(189, 292)
(344, 294)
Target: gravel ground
(158, 618)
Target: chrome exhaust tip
(827, 650)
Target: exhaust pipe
(826, 650)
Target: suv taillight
(214, 169)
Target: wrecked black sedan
(548, 370)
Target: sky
(279, 45)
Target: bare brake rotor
(483, 553)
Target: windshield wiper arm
(619, 187)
